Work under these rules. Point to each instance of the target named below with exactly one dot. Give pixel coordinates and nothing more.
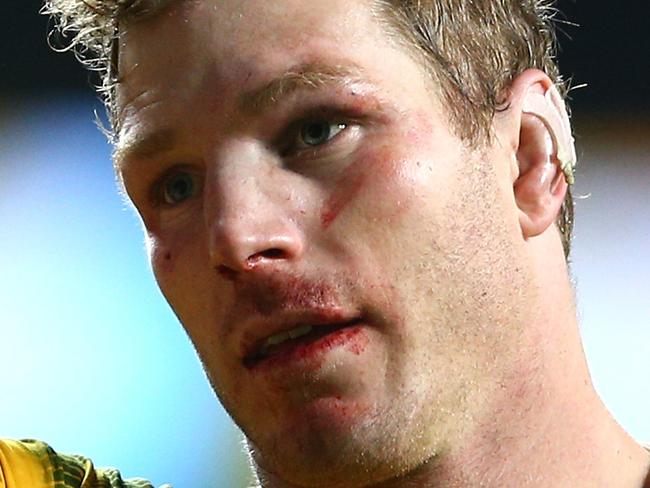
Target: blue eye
(317, 132)
(177, 188)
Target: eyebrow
(146, 146)
(306, 76)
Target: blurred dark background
(609, 50)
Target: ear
(544, 150)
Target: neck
(564, 438)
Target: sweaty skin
(444, 348)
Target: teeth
(277, 338)
(300, 331)
(281, 337)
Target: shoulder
(35, 464)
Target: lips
(296, 340)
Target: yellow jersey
(34, 464)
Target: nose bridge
(232, 184)
(248, 219)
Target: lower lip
(311, 354)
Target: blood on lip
(272, 298)
(276, 294)
(304, 348)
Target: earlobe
(545, 152)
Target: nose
(250, 219)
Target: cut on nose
(234, 252)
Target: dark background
(609, 50)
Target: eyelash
(286, 142)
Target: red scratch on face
(358, 346)
(345, 410)
(350, 185)
(166, 261)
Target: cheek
(349, 185)
(375, 173)
(173, 254)
(388, 178)
(163, 258)
(183, 274)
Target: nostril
(273, 254)
(251, 262)
(269, 254)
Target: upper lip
(256, 330)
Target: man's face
(299, 180)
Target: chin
(363, 454)
(319, 466)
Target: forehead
(236, 40)
(198, 58)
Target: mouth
(300, 342)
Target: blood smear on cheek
(380, 162)
(340, 199)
